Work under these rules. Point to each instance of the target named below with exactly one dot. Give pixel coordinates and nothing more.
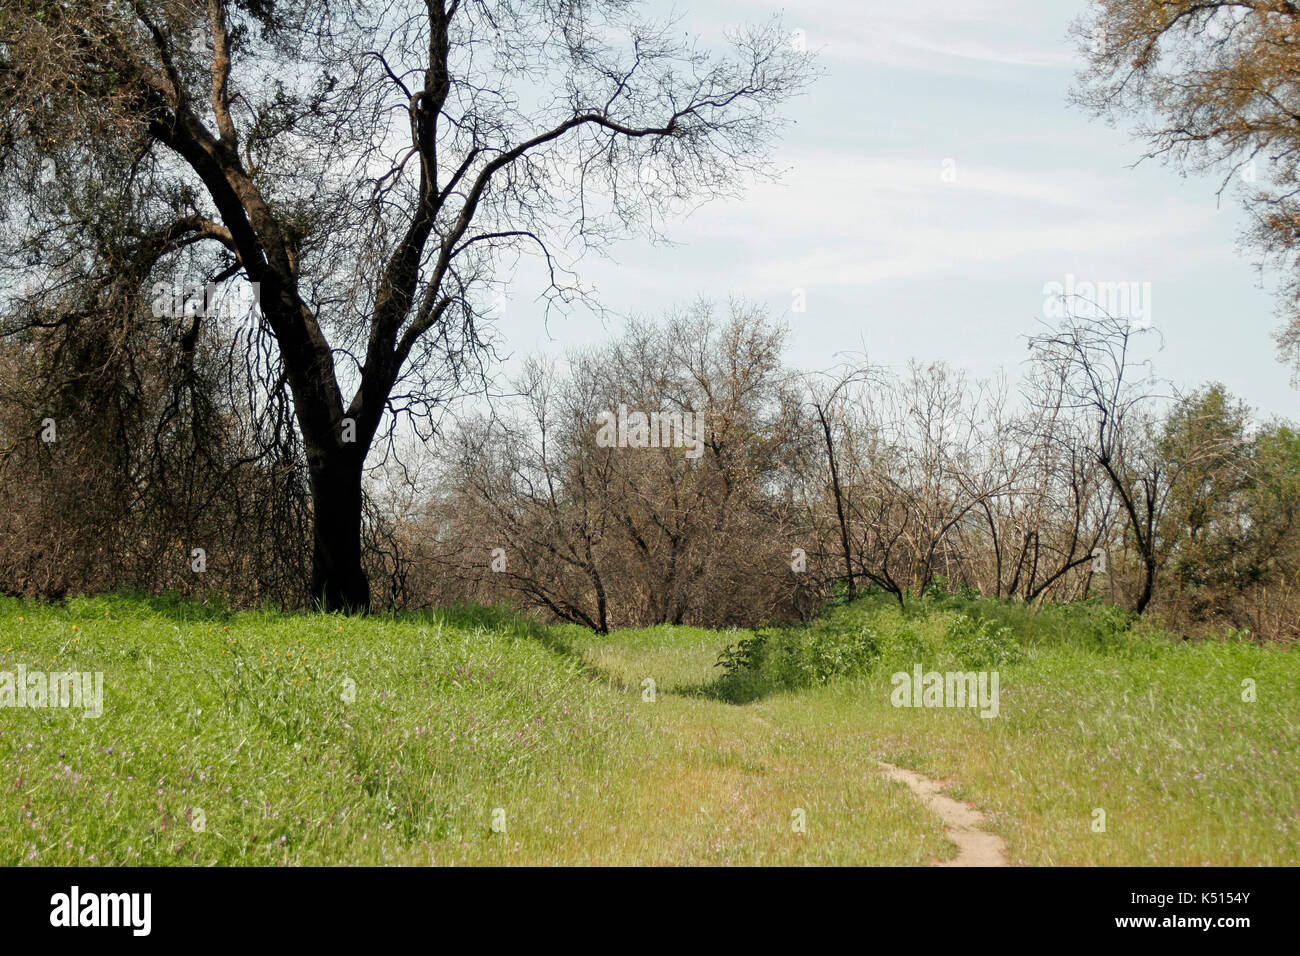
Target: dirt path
(976, 847)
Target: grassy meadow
(475, 737)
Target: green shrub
(818, 657)
(942, 629)
(746, 654)
(979, 643)
(799, 657)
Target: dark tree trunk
(338, 582)
(839, 502)
(1150, 568)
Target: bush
(788, 659)
(818, 657)
(979, 643)
(944, 630)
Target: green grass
(458, 713)
(242, 717)
(1097, 712)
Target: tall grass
(243, 717)
(281, 739)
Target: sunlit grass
(1186, 772)
(244, 718)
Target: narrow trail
(976, 847)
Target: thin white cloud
(840, 219)
(941, 36)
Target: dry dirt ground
(977, 847)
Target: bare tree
(1059, 513)
(826, 394)
(1093, 361)
(537, 488)
(369, 168)
(685, 523)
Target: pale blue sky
(898, 261)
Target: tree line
(769, 491)
(1087, 481)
